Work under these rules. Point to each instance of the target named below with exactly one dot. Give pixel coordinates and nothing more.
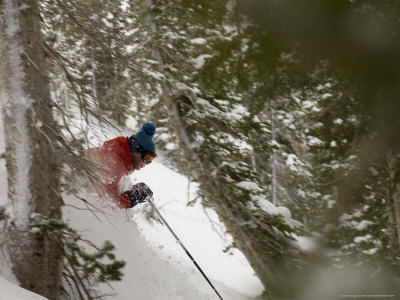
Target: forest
(289, 106)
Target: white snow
(200, 60)
(295, 98)
(360, 239)
(248, 185)
(15, 103)
(331, 203)
(238, 112)
(315, 109)
(284, 211)
(198, 41)
(154, 74)
(308, 104)
(274, 144)
(157, 267)
(370, 251)
(338, 121)
(364, 224)
(306, 243)
(226, 138)
(270, 208)
(314, 141)
(326, 96)
(290, 161)
(10, 291)
(5, 266)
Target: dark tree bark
(33, 168)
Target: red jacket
(115, 160)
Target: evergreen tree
(205, 98)
(260, 117)
(49, 83)
(32, 158)
(349, 127)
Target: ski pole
(184, 248)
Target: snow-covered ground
(10, 291)
(157, 268)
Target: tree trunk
(396, 201)
(273, 162)
(393, 160)
(31, 155)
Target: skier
(120, 156)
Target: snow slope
(10, 291)
(157, 268)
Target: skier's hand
(138, 194)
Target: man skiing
(120, 156)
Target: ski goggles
(147, 156)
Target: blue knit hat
(145, 137)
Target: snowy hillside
(10, 291)
(157, 268)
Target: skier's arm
(114, 174)
(114, 170)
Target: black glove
(138, 194)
